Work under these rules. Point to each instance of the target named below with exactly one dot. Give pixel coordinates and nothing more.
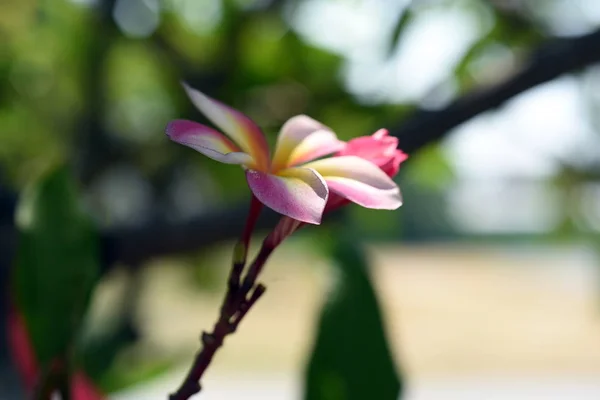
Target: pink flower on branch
(379, 149)
(291, 183)
(296, 182)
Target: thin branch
(233, 310)
(235, 304)
(211, 342)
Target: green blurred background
(481, 274)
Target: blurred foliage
(129, 371)
(57, 264)
(430, 168)
(100, 351)
(351, 358)
(95, 82)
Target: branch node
(208, 339)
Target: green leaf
(56, 265)
(403, 20)
(133, 370)
(430, 168)
(351, 359)
(98, 352)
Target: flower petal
(359, 181)
(365, 195)
(303, 139)
(379, 148)
(299, 193)
(235, 124)
(207, 141)
(317, 144)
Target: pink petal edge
(235, 124)
(365, 195)
(360, 181)
(355, 168)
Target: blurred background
(484, 285)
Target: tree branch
(234, 308)
(551, 60)
(133, 246)
(227, 324)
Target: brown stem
(245, 307)
(255, 268)
(234, 308)
(211, 342)
(240, 253)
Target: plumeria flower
(295, 182)
(379, 149)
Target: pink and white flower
(380, 150)
(292, 182)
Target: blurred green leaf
(99, 352)
(374, 223)
(128, 371)
(262, 51)
(461, 71)
(430, 168)
(351, 358)
(56, 264)
(206, 272)
(402, 22)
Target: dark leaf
(56, 265)
(403, 20)
(351, 359)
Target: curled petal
(379, 148)
(303, 139)
(392, 165)
(207, 141)
(359, 181)
(235, 124)
(299, 193)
